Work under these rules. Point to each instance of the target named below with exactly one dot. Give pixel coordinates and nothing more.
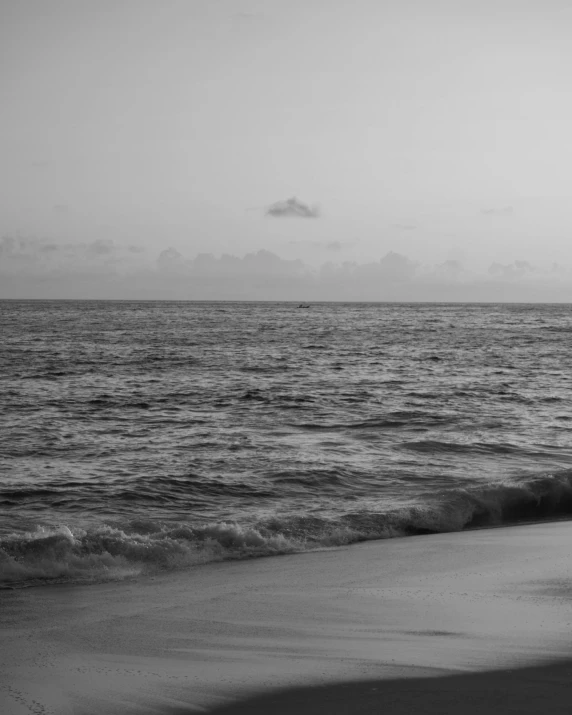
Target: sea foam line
(107, 552)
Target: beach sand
(469, 622)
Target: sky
(437, 129)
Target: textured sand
(386, 626)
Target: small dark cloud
(136, 249)
(60, 208)
(292, 208)
(405, 226)
(506, 211)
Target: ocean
(143, 436)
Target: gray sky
(412, 125)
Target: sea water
(141, 436)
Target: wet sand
(462, 622)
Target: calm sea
(137, 436)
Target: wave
(478, 448)
(392, 420)
(64, 554)
(105, 552)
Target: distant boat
(304, 305)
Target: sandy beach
(459, 622)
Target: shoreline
(457, 602)
(58, 581)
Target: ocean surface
(143, 436)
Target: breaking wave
(108, 552)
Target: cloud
(171, 260)
(506, 211)
(292, 208)
(450, 271)
(101, 247)
(512, 271)
(398, 267)
(261, 263)
(35, 256)
(37, 268)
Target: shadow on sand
(542, 690)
